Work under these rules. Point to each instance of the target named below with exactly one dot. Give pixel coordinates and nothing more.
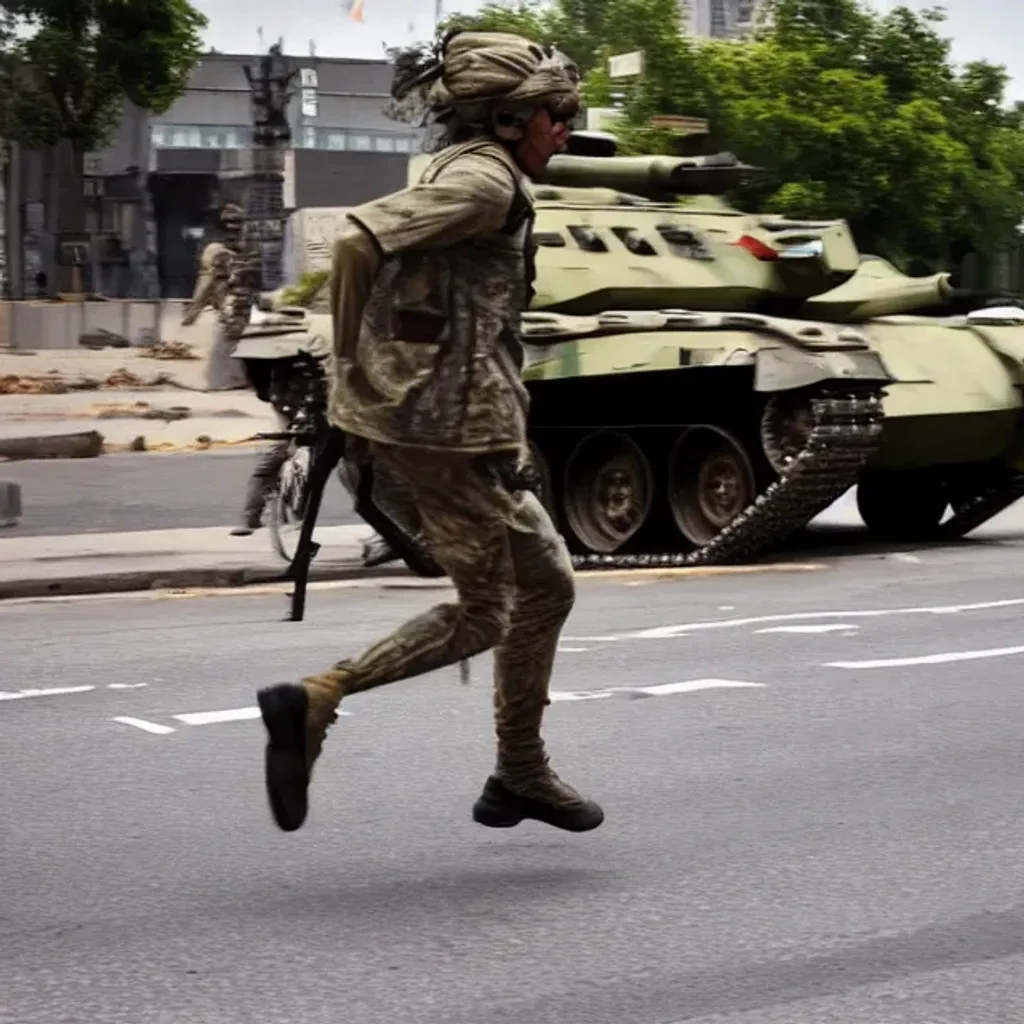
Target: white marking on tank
(929, 659)
(141, 723)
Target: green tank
(705, 381)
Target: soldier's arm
(211, 269)
(471, 196)
(354, 264)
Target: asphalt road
(158, 491)
(122, 493)
(840, 840)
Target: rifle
(326, 456)
(328, 452)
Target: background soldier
(427, 290)
(220, 287)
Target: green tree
(849, 113)
(75, 62)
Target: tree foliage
(72, 63)
(849, 113)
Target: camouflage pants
(515, 585)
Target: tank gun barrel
(653, 177)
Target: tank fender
(1006, 340)
(782, 369)
(281, 347)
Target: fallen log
(85, 445)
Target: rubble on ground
(169, 350)
(54, 383)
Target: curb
(181, 579)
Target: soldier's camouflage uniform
(222, 285)
(427, 291)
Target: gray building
(718, 19)
(149, 194)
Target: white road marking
(141, 723)
(572, 650)
(693, 685)
(213, 717)
(831, 627)
(125, 686)
(929, 659)
(229, 715)
(55, 691)
(672, 632)
(661, 690)
(688, 686)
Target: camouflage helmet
(486, 78)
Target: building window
(361, 143)
(185, 137)
(307, 138)
(403, 144)
(334, 140)
(158, 135)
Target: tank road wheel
(711, 481)
(786, 425)
(902, 505)
(609, 490)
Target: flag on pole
(353, 8)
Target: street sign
(626, 65)
(680, 123)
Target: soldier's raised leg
(478, 532)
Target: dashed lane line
(928, 659)
(246, 714)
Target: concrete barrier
(10, 503)
(34, 326)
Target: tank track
(985, 505)
(846, 431)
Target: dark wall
(325, 178)
(181, 205)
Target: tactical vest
(439, 356)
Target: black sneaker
(283, 709)
(499, 807)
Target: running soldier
(427, 291)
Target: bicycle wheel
(288, 503)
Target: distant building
(718, 19)
(153, 188)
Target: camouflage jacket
(222, 285)
(430, 356)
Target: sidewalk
(124, 395)
(165, 420)
(102, 563)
